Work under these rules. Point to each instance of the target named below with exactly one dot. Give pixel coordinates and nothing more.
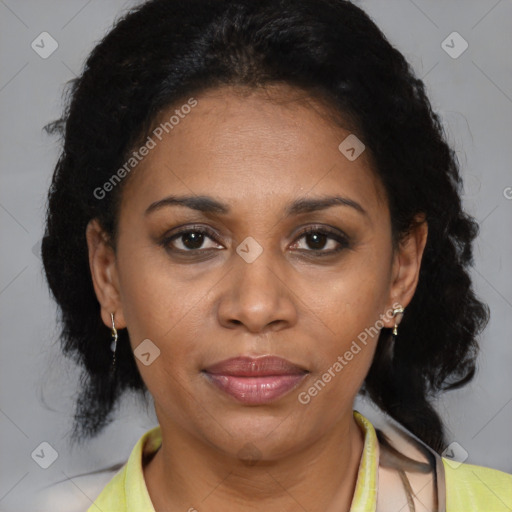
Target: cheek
(157, 300)
(351, 310)
(347, 357)
(353, 299)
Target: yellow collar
(365, 494)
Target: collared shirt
(461, 487)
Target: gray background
(472, 93)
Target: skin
(255, 151)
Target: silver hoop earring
(113, 344)
(397, 311)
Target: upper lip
(253, 367)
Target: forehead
(237, 143)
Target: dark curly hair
(165, 50)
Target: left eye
(317, 239)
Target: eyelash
(331, 234)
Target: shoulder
(471, 487)
(109, 490)
(127, 489)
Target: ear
(406, 267)
(102, 263)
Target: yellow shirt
(467, 487)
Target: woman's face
(245, 279)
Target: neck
(321, 476)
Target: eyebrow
(208, 204)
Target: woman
(255, 217)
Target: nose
(258, 296)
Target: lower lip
(256, 390)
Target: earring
(113, 345)
(397, 311)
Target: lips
(255, 380)
(255, 367)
